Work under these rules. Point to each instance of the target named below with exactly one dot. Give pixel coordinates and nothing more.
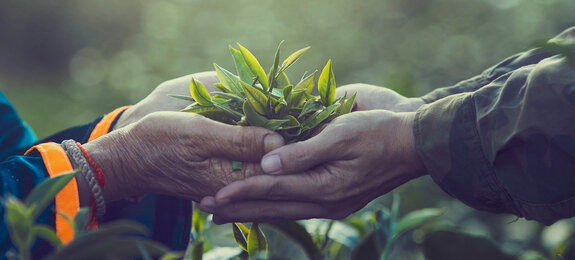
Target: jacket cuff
(448, 143)
(67, 200)
(107, 123)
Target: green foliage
(255, 98)
(120, 239)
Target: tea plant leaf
(416, 218)
(81, 221)
(187, 98)
(45, 192)
(254, 66)
(291, 122)
(228, 96)
(287, 92)
(298, 234)
(253, 117)
(228, 79)
(240, 234)
(256, 241)
(307, 83)
(274, 69)
(282, 81)
(318, 117)
(256, 98)
(275, 124)
(295, 98)
(348, 105)
(237, 165)
(242, 67)
(199, 93)
(224, 106)
(293, 58)
(48, 234)
(309, 106)
(221, 87)
(326, 85)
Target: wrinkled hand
(159, 100)
(356, 158)
(374, 97)
(179, 154)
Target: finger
(234, 142)
(301, 156)
(302, 187)
(208, 204)
(266, 211)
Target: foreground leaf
(257, 99)
(199, 93)
(326, 85)
(240, 234)
(293, 58)
(416, 218)
(256, 241)
(244, 71)
(254, 66)
(43, 194)
(298, 234)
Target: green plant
(119, 239)
(254, 98)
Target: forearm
(508, 146)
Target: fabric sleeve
(510, 64)
(508, 146)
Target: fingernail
(272, 141)
(271, 164)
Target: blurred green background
(63, 63)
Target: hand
(356, 158)
(373, 97)
(159, 100)
(179, 154)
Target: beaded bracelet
(77, 157)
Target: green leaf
(348, 105)
(274, 69)
(237, 165)
(228, 96)
(253, 117)
(199, 93)
(228, 79)
(224, 106)
(43, 194)
(416, 218)
(242, 67)
(306, 83)
(82, 220)
(256, 98)
(254, 66)
(275, 124)
(112, 248)
(256, 241)
(309, 106)
(318, 117)
(221, 87)
(187, 98)
(293, 58)
(326, 85)
(287, 92)
(282, 80)
(291, 122)
(194, 251)
(298, 234)
(240, 234)
(48, 234)
(197, 222)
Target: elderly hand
(373, 97)
(179, 154)
(159, 100)
(356, 158)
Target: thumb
(300, 156)
(244, 143)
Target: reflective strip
(103, 126)
(67, 200)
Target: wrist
(107, 152)
(413, 165)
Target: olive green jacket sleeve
(504, 141)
